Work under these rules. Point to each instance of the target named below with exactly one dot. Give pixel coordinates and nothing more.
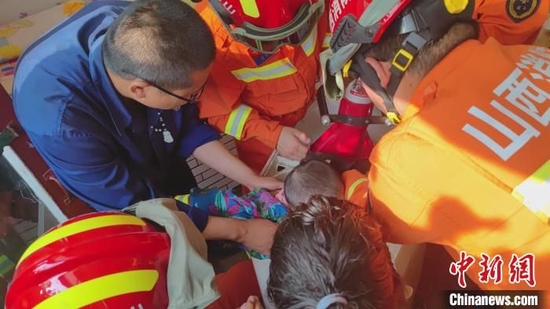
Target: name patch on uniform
(519, 10)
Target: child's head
(332, 252)
(312, 178)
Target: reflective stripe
(273, 70)
(354, 185)
(102, 288)
(237, 119)
(183, 198)
(326, 41)
(6, 265)
(309, 44)
(250, 8)
(533, 192)
(79, 227)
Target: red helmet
(266, 25)
(358, 24)
(97, 260)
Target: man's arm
(90, 169)
(255, 234)
(512, 22)
(215, 155)
(244, 123)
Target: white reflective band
(326, 41)
(353, 186)
(273, 70)
(237, 119)
(309, 44)
(533, 192)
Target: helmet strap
(400, 63)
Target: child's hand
(252, 303)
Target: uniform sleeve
(89, 169)
(356, 187)
(512, 22)
(221, 104)
(243, 123)
(196, 131)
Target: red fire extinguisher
(347, 139)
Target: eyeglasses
(192, 99)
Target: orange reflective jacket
(247, 100)
(469, 166)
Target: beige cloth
(190, 277)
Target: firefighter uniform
(252, 101)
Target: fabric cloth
(190, 278)
(469, 166)
(107, 150)
(252, 101)
(258, 203)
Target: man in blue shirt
(108, 99)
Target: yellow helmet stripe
(354, 185)
(89, 292)
(79, 227)
(250, 8)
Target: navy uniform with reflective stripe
(107, 150)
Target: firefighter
(264, 75)
(467, 164)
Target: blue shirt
(107, 150)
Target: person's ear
(137, 88)
(382, 69)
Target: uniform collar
(113, 101)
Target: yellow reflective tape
(237, 120)
(79, 227)
(326, 41)
(309, 44)
(273, 70)
(250, 8)
(102, 288)
(354, 185)
(533, 192)
(183, 198)
(345, 69)
(405, 54)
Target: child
(329, 253)
(307, 179)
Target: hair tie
(331, 299)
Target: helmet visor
(294, 33)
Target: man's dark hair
(330, 246)
(312, 178)
(431, 54)
(160, 41)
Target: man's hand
(268, 183)
(257, 235)
(293, 144)
(252, 303)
